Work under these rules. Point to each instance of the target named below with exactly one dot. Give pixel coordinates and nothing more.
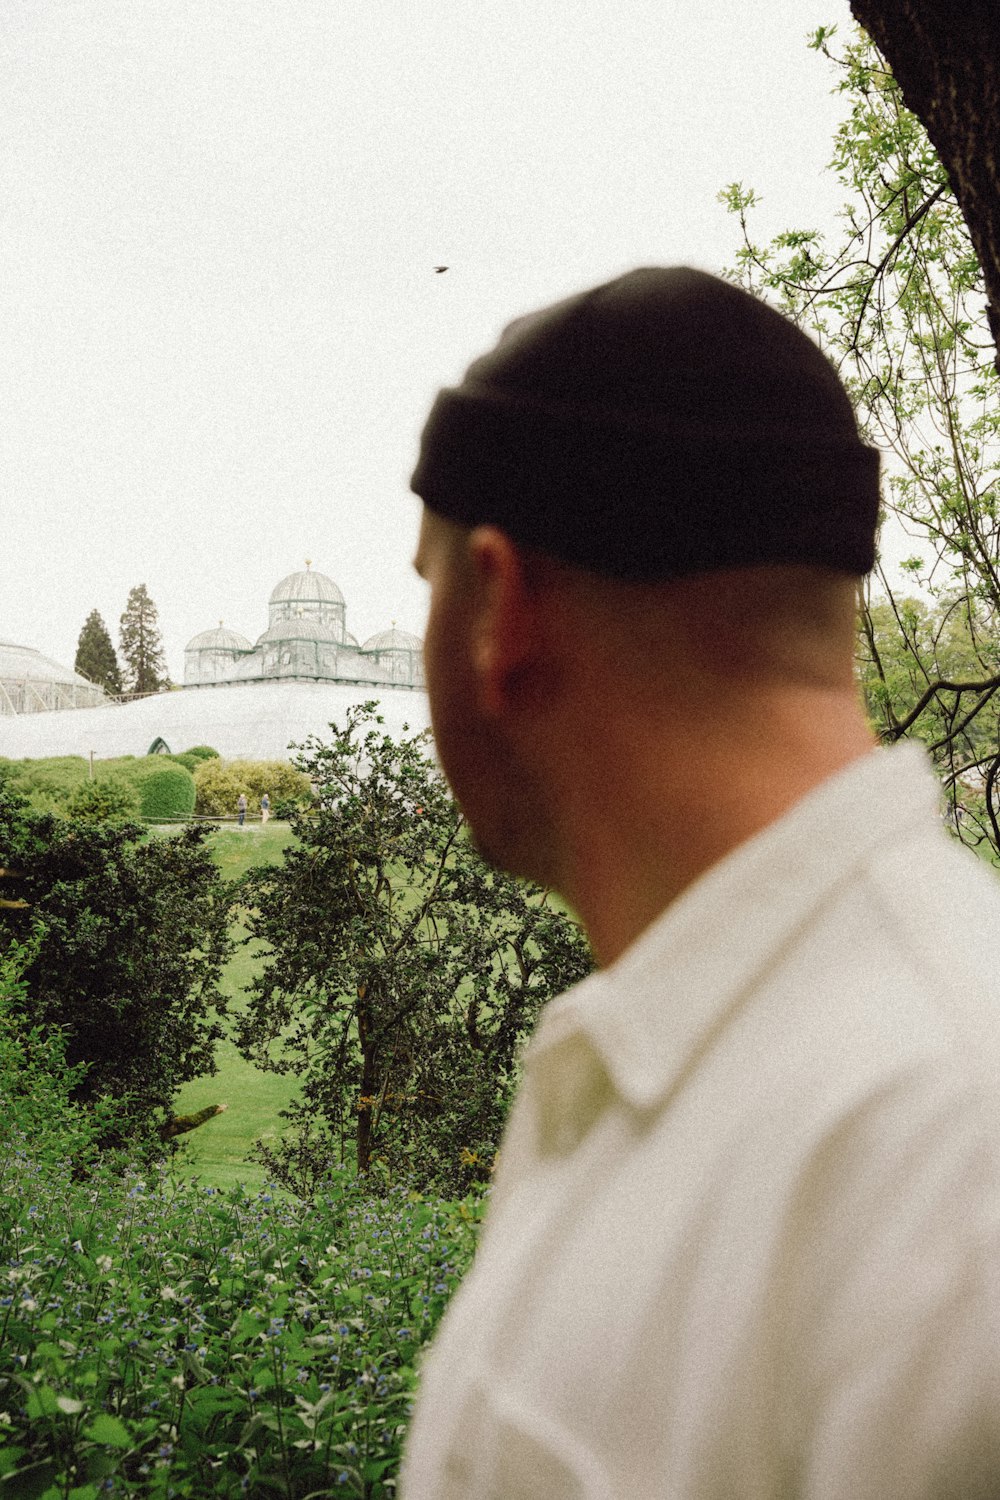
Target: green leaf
(29, 1483)
(41, 1402)
(9, 1458)
(109, 1430)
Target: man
(743, 1239)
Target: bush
(165, 790)
(37, 1085)
(220, 782)
(164, 786)
(131, 935)
(164, 1339)
(109, 798)
(193, 758)
(48, 783)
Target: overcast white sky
(220, 327)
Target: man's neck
(660, 806)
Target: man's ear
(504, 635)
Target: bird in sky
(439, 269)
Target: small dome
(306, 588)
(297, 629)
(393, 640)
(219, 639)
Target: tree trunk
(946, 60)
(364, 1130)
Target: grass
(216, 1152)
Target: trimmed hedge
(61, 784)
(166, 790)
(194, 757)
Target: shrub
(193, 758)
(131, 937)
(37, 1085)
(48, 783)
(164, 1339)
(165, 789)
(220, 782)
(111, 797)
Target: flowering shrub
(165, 1339)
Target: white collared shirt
(745, 1235)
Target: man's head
(648, 502)
(659, 425)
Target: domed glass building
(397, 653)
(306, 640)
(31, 683)
(210, 656)
(308, 596)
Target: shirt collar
(649, 1013)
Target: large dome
(306, 588)
(308, 596)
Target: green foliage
(48, 783)
(160, 1339)
(130, 935)
(110, 798)
(220, 782)
(403, 973)
(37, 1085)
(193, 758)
(95, 655)
(165, 789)
(898, 302)
(141, 646)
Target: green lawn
(217, 1150)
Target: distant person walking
(265, 808)
(241, 809)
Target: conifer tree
(95, 655)
(141, 646)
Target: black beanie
(664, 423)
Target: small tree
(403, 973)
(141, 646)
(898, 302)
(128, 936)
(95, 655)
